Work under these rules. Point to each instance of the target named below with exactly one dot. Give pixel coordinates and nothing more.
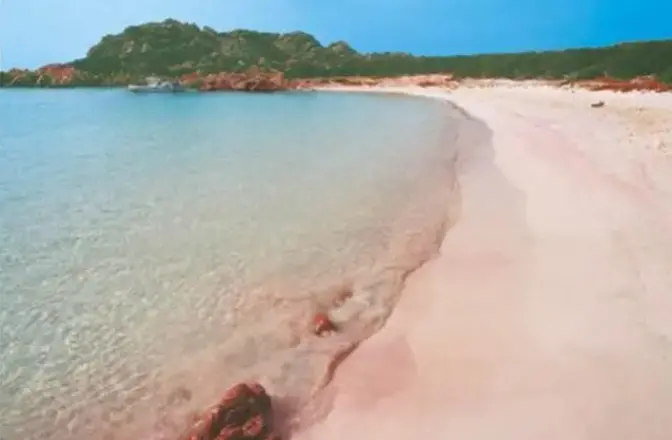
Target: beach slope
(548, 313)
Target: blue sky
(36, 32)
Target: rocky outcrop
(253, 80)
(59, 73)
(244, 413)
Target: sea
(157, 249)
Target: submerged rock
(322, 324)
(244, 413)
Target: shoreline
(512, 242)
(500, 234)
(256, 81)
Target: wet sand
(548, 313)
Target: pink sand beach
(548, 313)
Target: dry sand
(548, 313)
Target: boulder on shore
(244, 413)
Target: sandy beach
(548, 313)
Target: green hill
(172, 48)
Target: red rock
(254, 80)
(190, 78)
(230, 433)
(244, 413)
(59, 73)
(322, 324)
(254, 426)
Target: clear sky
(36, 32)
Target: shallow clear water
(154, 249)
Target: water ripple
(156, 250)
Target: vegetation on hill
(171, 48)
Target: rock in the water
(244, 413)
(322, 324)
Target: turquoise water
(154, 249)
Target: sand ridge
(548, 313)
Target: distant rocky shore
(251, 80)
(256, 80)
